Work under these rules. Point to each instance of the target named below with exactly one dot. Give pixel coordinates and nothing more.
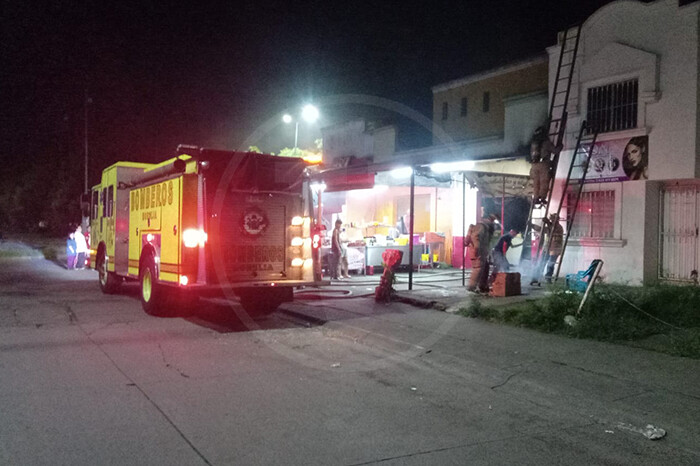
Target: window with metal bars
(444, 111)
(613, 107)
(595, 214)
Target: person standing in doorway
(81, 247)
(541, 150)
(336, 250)
(478, 239)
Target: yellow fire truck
(206, 222)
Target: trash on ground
(651, 432)
(654, 433)
(570, 320)
(336, 364)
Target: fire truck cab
(206, 222)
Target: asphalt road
(89, 379)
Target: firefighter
(541, 150)
(479, 238)
(556, 244)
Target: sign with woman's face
(617, 160)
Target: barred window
(444, 111)
(463, 107)
(486, 102)
(613, 107)
(595, 214)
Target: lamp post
(309, 113)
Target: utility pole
(85, 107)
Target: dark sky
(210, 73)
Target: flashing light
(184, 280)
(193, 238)
(308, 263)
(297, 221)
(297, 241)
(297, 262)
(313, 159)
(287, 118)
(316, 241)
(149, 237)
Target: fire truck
(206, 223)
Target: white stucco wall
(657, 43)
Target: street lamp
(309, 113)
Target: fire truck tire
(109, 281)
(152, 297)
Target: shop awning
(498, 185)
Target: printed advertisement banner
(616, 160)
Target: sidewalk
(438, 289)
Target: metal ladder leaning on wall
(556, 122)
(580, 160)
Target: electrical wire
(643, 311)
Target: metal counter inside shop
(373, 254)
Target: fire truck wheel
(109, 281)
(151, 292)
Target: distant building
(474, 107)
(357, 139)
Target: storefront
(375, 203)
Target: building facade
(474, 107)
(636, 81)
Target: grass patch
(478, 310)
(663, 318)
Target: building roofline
(509, 68)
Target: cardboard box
(506, 284)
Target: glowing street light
(309, 113)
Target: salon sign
(616, 160)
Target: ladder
(580, 161)
(556, 122)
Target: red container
(369, 270)
(457, 253)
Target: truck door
(121, 231)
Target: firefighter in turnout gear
(541, 150)
(479, 240)
(556, 243)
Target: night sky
(210, 73)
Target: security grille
(680, 246)
(613, 107)
(595, 215)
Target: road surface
(89, 379)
